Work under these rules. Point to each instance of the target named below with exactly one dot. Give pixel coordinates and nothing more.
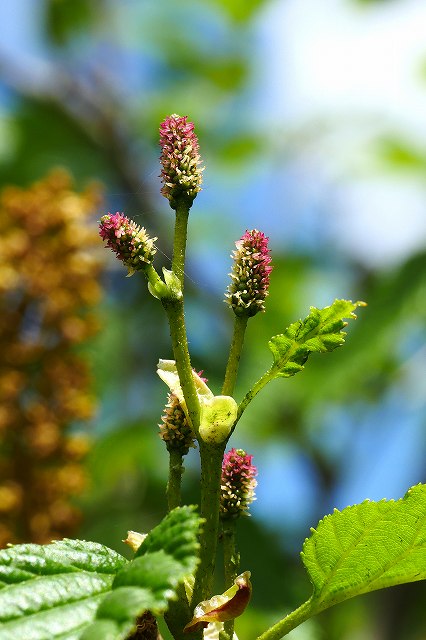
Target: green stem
(174, 310)
(258, 386)
(240, 325)
(176, 470)
(179, 244)
(178, 614)
(231, 561)
(175, 315)
(231, 557)
(211, 473)
(290, 622)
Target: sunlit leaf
(368, 546)
(363, 548)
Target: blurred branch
(93, 105)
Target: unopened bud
(181, 173)
(250, 274)
(175, 429)
(238, 484)
(131, 243)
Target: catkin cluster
(49, 291)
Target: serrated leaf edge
(315, 598)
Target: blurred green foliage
(64, 19)
(114, 71)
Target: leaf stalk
(240, 325)
(290, 622)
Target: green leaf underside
(165, 558)
(53, 591)
(366, 547)
(320, 332)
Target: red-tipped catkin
(249, 285)
(181, 173)
(131, 243)
(238, 484)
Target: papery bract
(217, 413)
(223, 607)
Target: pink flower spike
(181, 173)
(131, 243)
(249, 285)
(238, 484)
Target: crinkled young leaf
(368, 546)
(52, 592)
(164, 559)
(320, 332)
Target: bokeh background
(311, 120)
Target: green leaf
(165, 558)
(52, 592)
(363, 548)
(368, 546)
(320, 332)
(55, 592)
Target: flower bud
(238, 484)
(250, 274)
(134, 539)
(175, 429)
(131, 243)
(181, 174)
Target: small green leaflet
(73, 589)
(52, 592)
(368, 546)
(320, 332)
